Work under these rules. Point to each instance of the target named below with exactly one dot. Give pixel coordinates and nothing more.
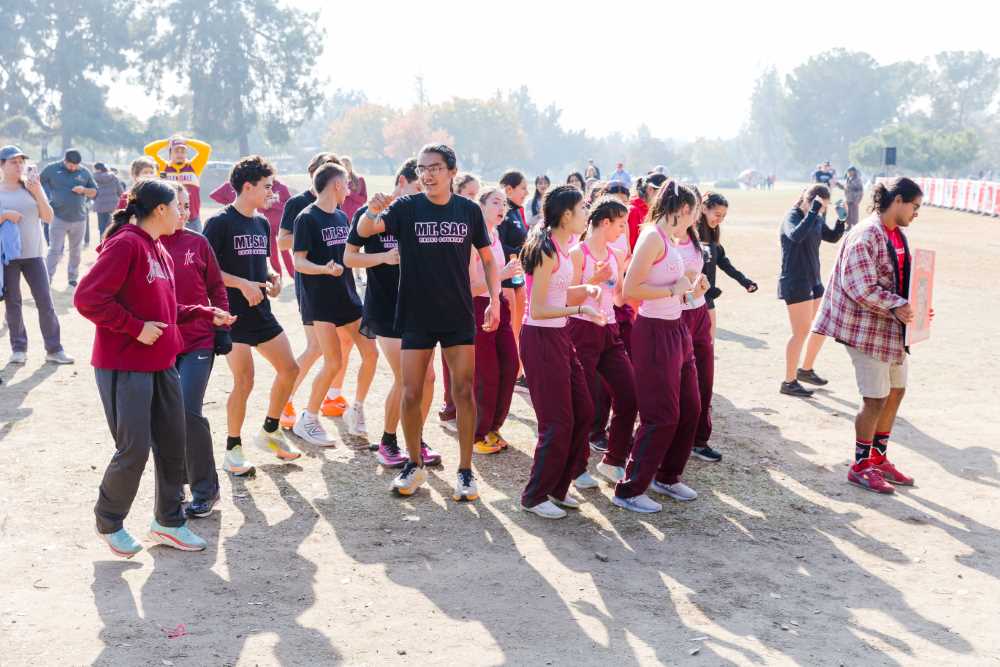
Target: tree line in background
(249, 69)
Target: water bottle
(518, 279)
(841, 210)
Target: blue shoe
(201, 508)
(121, 543)
(180, 537)
(641, 503)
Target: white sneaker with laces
(60, 358)
(465, 487)
(308, 428)
(355, 418)
(275, 443)
(235, 463)
(19, 357)
(546, 509)
(568, 502)
(641, 503)
(677, 491)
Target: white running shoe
(465, 487)
(355, 418)
(567, 502)
(546, 509)
(20, 357)
(677, 491)
(409, 479)
(235, 463)
(585, 481)
(613, 474)
(641, 503)
(276, 444)
(308, 428)
(60, 358)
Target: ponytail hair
(142, 200)
(646, 186)
(539, 243)
(885, 193)
(606, 207)
(708, 202)
(671, 198)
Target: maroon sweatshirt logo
(155, 269)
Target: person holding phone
(866, 308)
(23, 203)
(800, 284)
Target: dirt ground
(779, 561)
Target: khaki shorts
(875, 377)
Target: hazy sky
(684, 69)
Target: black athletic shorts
(428, 340)
(792, 294)
(376, 329)
(324, 312)
(255, 327)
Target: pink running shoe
(430, 457)
(869, 478)
(892, 474)
(389, 455)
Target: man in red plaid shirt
(865, 308)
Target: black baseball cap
(73, 156)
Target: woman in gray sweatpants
(130, 295)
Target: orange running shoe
(335, 407)
(288, 416)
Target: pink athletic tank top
(693, 261)
(607, 303)
(556, 296)
(498, 261)
(665, 272)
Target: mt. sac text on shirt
(250, 244)
(441, 232)
(335, 235)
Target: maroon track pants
(608, 371)
(699, 325)
(667, 386)
(496, 366)
(563, 411)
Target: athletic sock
(389, 438)
(862, 450)
(879, 445)
(233, 442)
(332, 393)
(270, 424)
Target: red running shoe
(892, 474)
(869, 478)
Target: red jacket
(198, 282)
(637, 211)
(132, 282)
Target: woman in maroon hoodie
(130, 295)
(198, 280)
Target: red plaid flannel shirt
(857, 307)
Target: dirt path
(779, 561)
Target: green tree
(765, 135)
(487, 133)
(248, 63)
(964, 86)
(361, 133)
(835, 99)
(54, 57)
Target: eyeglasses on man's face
(433, 169)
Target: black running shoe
(201, 508)
(803, 375)
(793, 388)
(599, 444)
(706, 453)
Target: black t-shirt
(823, 176)
(322, 236)
(435, 243)
(383, 280)
(295, 205)
(242, 246)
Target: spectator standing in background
(185, 171)
(542, 184)
(621, 176)
(358, 196)
(68, 186)
(592, 170)
(142, 167)
(109, 191)
(854, 189)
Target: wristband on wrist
(370, 216)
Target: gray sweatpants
(33, 270)
(62, 232)
(144, 411)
